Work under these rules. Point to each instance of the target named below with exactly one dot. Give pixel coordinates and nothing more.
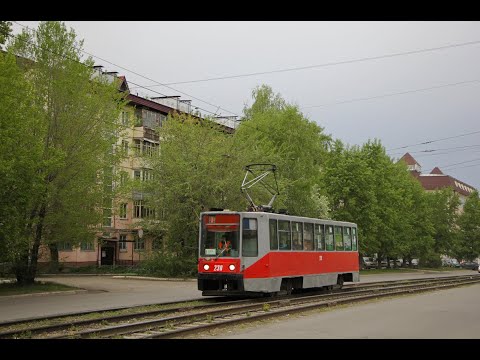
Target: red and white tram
(265, 253)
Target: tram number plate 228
(217, 267)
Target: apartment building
(122, 241)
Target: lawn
(37, 287)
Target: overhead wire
(145, 77)
(328, 64)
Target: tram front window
(220, 244)
(220, 235)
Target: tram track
(180, 319)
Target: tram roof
(280, 216)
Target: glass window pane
(354, 239)
(273, 234)
(338, 238)
(329, 238)
(319, 237)
(250, 239)
(347, 238)
(307, 236)
(284, 237)
(297, 236)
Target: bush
(431, 260)
(169, 265)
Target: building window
(137, 146)
(86, 246)
(137, 174)
(139, 244)
(123, 177)
(122, 243)
(107, 217)
(147, 175)
(142, 211)
(125, 146)
(148, 148)
(125, 117)
(64, 246)
(123, 211)
(137, 208)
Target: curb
(150, 278)
(66, 292)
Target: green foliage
(443, 205)
(72, 121)
(469, 229)
(192, 172)
(276, 132)
(165, 264)
(5, 31)
(364, 186)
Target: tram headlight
(206, 267)
(231, 267)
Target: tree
(75, 127)
(278, 133)
(5, 31)
(192, 172)
(469, 228)
(20, 153)
(443, 207)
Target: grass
(404, 270)
(37, 287)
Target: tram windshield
(220, 234)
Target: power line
(432, 141)
(391, 94)
(430, 151)
(463, 167)
(145, 77)
(459, 163)
(79, 62)
(327, 64)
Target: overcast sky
(366, 86)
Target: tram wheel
(287, 286)
(340, 281)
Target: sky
(402, 82)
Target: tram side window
(347, 238)
(329, 238)
(320, 237)
(307, 236)
(273, 234)
(297, 236)
(354, 239)
(284, 239)
(249, 237)
(338, 238)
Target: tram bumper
(220, 284)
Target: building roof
(437, 179)
(409, 160)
